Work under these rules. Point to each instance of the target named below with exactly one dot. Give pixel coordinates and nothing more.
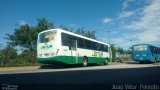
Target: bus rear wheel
(141, 62)
(106, 62)
(84, 62)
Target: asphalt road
(126, 73)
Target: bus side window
(88, 44)
(98, 47)
(72, 42)
(65, 39)
(81, 43)
(101, 47)
(105, 48)
(94, 46)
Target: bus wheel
(85, 62)
(106, 62)
(141, 62)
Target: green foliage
(120, 50)
(83, 32)
(65, 28)
(128, 51)
(113, 53)
(44, 24)
(21, 37)
(7, 55)
(26, 36)
(25, 58)
(125, 54)
(1, 46)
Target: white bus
(60, 46)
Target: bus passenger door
(73, 49)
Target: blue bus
(145, 53)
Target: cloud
(72, 25)
(120, 42)
(126, 4)
(114, 32)
(107, 20)
(147, 36)
(126, 14)
(149, 19)
(21, 22)
(147, 27)
(141, 25)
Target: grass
(20, 65)
(156, 63)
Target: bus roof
(74, 34)
(145, 44)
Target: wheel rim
(106, 61)
(84, 62)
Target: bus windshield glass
(140, 48)
(47, 36)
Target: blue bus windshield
(140, 48)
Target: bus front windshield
(140, 48)
(47, 36)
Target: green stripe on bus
(71, 59)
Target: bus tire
(141, 62)
(84, 62)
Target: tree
(7, 55)
(80, 31)
(21, 37)
(128, 51)
(113, 53)
(1, 54)
(89, 34)
(44, 24)
(65, 28)
(26, 36)
(120, 50)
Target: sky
(129, 21)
